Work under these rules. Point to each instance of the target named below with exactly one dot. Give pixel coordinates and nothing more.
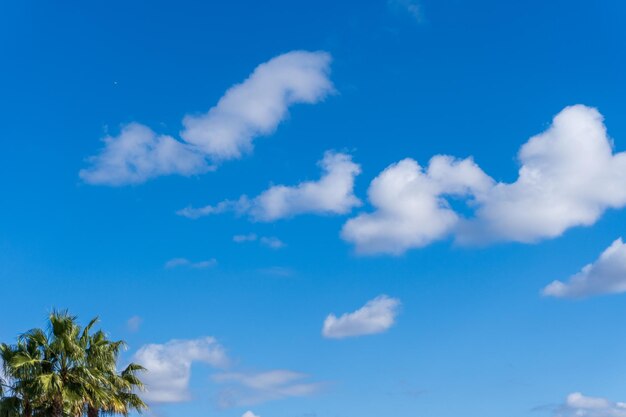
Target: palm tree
(58, 373)
(16, 389)
(66, 371)
(117, 393)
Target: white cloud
(169, 366)
(250, 237)
(249, 414)
(138, 154)
(177, 262)
(568, 177)
(578, 405)
(411, 211)
(243, 389)
(269, 241)
(134, 323)
(272, 242)
(377, 316)
(254, 107)
(238, 207)
(607, 275)
(331, 194)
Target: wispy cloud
(134, 323)
(269, 241)
(569, 176)
(179, 262)
(377, 316)
(410, 7)
(250, 237)
(247, 110)
(242, 389)
(331, 194)
(272, 242)
(607, 275)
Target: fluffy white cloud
(177, 262)
(376, 316)
(607, 275)
(578, 405)
(569, 176)
(411, 210)
(243, 389)
(138, 154)
(169, 366)
(331, 194)
(249, 414)
(254, 107)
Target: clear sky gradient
(243, 310)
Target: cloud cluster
(411, 210)
(247, 110)
(607, 275)
(333, 193)
(578, 405)
(569, 176)
(376, 316)
(242, 389)
(169, 366)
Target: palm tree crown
(66, 371)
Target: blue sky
(288, 289)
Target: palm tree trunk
(92, 412)
(57, 408)
(28, 409)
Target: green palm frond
(67, 371)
